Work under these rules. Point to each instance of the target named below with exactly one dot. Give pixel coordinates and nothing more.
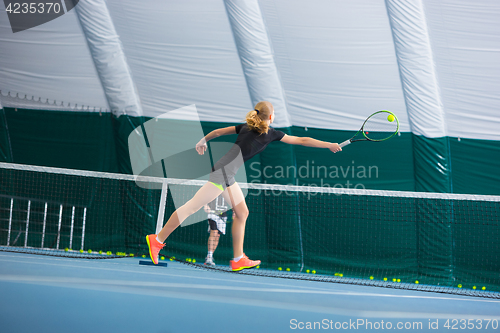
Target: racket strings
(380, 127)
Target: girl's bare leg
(234, 195)
(206, 194)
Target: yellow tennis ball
(341, 275)
(484, 288)
(399, 280)
(144, 256)
(66, 249)
(459, 286)
(314, 272)
(162, 258)
(416, 282)
(385, 279)
(81, 251)
(258, 267)
(279, 268)
(194, 260)
(89, 251)
(394, 280)
(390, 118)
(307, 271)
(288, 269)
(371, 277)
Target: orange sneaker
(154, 247)
(243, 263)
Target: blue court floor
(50, 294)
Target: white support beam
(109, 58)
(256, 56)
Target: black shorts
(222, 178)
(213, 226)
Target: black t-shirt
(248, 144)
(251, 142)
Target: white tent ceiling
(324, 64)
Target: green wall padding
(5, 146)
(341, 235)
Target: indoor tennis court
(249, 165)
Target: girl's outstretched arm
(310, 142)
(201, 146)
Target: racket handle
(345, 143)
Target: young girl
(253, 138)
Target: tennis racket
(380, 126)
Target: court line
(135, 288)
(124, 283)
(307, 289)
(151, 272)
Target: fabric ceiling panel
(51, 61)
(183, 53)
(336, 60)
(465, 38)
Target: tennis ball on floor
(371, 277)
(416, 282)
(474, 287)
(307, 271)
(341, 275)
(399, 280)
(89, 251)
(132, 255)
(288, 269)
(171, 259)
(390, 118)
(144, 256)
(314, 272)
(258, 267)
(162, 258)
(194, 260)
(81, 251)
(109, 253)
(484, 288)
(459, 286)
(66, 249)
(385, 279)
(279, 268)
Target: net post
(59, 226)
(27, 224)
(44, 224)
(161, 209)
(10, 220)
(83, 226)
(72, 225)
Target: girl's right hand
(334, 147)
(201, 146)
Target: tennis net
(412, 240)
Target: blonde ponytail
(256, 119)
